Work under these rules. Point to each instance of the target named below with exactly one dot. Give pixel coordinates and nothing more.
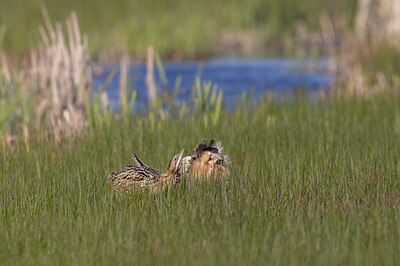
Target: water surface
(234, 76)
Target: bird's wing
(137, 161)
(130, 166)
(124, 179)
(154, 174)
(133, 173)
(132, 176)
(140, 164)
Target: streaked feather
(143, 176)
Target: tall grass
(310, 185)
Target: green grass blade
(161, 70)
(217, 111)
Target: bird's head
(175, 163)
(211, 156)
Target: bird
(140, 176)
(206, 162)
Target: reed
(150, 80)
(60, 75)
(368, 58)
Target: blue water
(234, 76)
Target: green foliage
(127, 102)
(209, 106)
(6, 110)
(17, 105)
(2, 34)
(383, 59)
(7, 106)
(191, 27)
(161, 70)
(98, 115)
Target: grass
(310, 185)
(383, 59)
(189, 27)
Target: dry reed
(150, 80)
(60, 74)
(123, 81)
(377, 23)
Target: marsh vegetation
(311, 183)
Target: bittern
(206, 161)
(140, 176)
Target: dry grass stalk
(60, 74)
(351, 79)
(391, 10)
(361, 23)
(357, 84)
(150, 81)
(104, 102)
(123, 81)
(394, 25)
(377, 23)
(8, 140)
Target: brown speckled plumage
(140, 176)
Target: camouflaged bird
(140, 176)
(206, 162)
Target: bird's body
(140, 176)
(206, 162)
(133, 178)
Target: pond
(233, 76)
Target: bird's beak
(179, 159)
(216, 157)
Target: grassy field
(311, 185)
(189, 27)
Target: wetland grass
(310, 185)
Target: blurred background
(184, 29)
